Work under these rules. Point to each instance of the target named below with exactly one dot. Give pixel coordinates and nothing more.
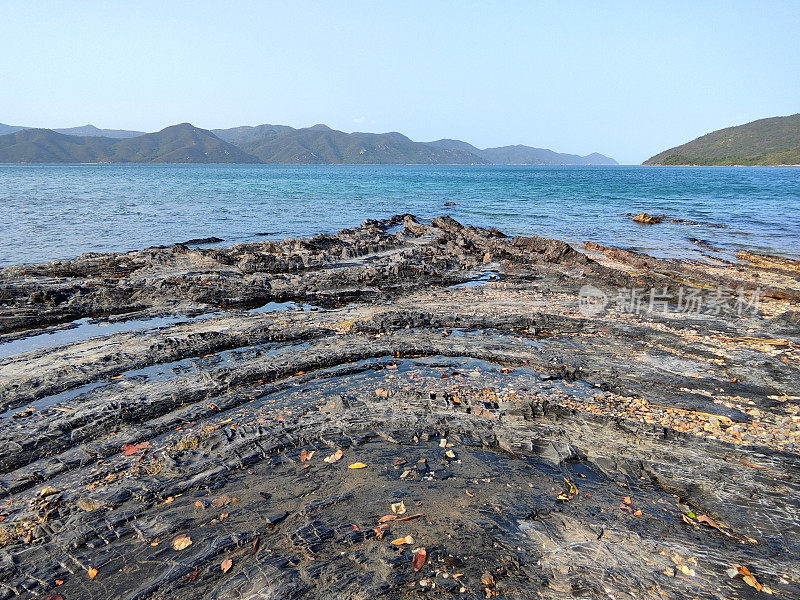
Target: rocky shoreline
(399, 410)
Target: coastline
(543, 443)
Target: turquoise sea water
(60, 211)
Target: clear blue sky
(627, 79)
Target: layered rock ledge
(399, 410)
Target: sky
(626, 79)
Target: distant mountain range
(276, 144)
(182, 143)
(770, 142)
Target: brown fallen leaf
(410, 517)
(749, 464)
(386, 518)
(54, 597)
(470, 494)
(128, 449)
(92, 572)
(181, 542)
(226, 565)
(403, 540)
(487, 579)
(193, 575)
(627, 499)
(420, 556)
(746, 575)
(379, 531)
(156, 541)
(223, 516)
(220, 501)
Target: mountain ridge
(181, 143)
(270, 144)
(773, 141)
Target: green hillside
(47, 146)
(769, 142)
(176, 144)
(276, 144)
(524, 155)
(322, 145)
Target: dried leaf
(746, 576)
(403, 540)
(708, 521)
(450, 454)
(334, 457)
(54, 597)
(226, 565)
(686, 570)
(627, 499)
(92, 572)
(420, 556)
(223, 516)
(128, 449)
(357, 465)
(380, 530)
(386, 518)
(470, 494)
(182, 541)
(193, 575)
(399, 508)
(254, 547)
(220, 501)
(487, 579)
(410, 517)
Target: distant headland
(768, 142)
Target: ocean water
(60, 211)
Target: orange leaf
(411, 517)
(403, 540)
(92, 572)
(387, 518)
(226, 565)
(420, 556)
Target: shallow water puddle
(157, 372)
(84, 329)
(271, 307)
(483, 278)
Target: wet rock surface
(398, 410)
